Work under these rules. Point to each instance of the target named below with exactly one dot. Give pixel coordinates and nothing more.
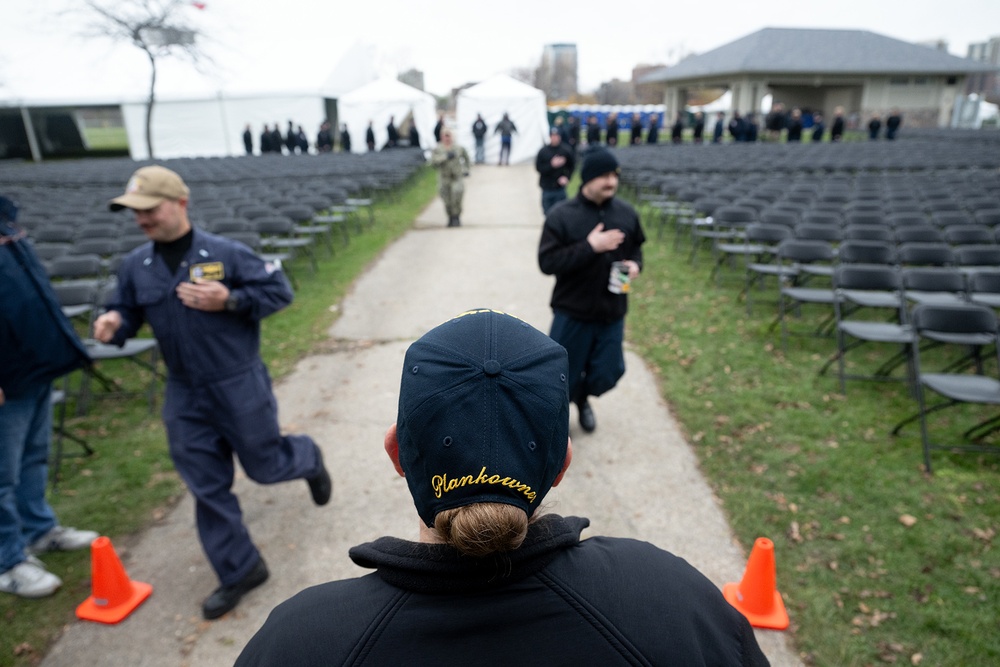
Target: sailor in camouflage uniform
(452, 163)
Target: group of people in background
(294, 139)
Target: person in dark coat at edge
(481, 435)
(37, 346)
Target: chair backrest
(734, 215)
(867, 277)
(868, 232)
(228, 224)
(925, 254)
(959, 318)
(968, 234)
(248, 238)
(273, 225)
(984, 281)
(990, 216)
(76, 266)
(820, 217)
(805, 251)
(948, 218)
(774, 216)
(907, 219)
(978, 255)
(933, 279)
(759, 232)
(820, 232)
(856, 217)
(919, 233)
(298, 212)
(866, 252)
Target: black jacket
(581, 289)
(548, 176)
(557, 600)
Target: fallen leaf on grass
(916, 658)
(907, 520)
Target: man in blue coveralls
(204, 296)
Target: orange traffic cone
(757, 596)
(115, 596)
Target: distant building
(819, 70)
(986, 84)
(413, 77)
(557, 73)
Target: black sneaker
(225, 598)
(321, 486)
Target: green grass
(130, 483)
(817, 472)
(106, 138)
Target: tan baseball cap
(149, 187)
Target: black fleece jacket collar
(439, 568)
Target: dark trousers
(206, 426)
(552, 197)
(505, 151)
(596, 360)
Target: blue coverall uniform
(219, 400)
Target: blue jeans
(25, 433)
(480, 151)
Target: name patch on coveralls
(207, 271)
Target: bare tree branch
(156, 27)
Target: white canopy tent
(214, 126)
(492, 98)
(376, 102)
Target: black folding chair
(970, 326)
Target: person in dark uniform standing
(370, 137)
(653, 134)
(490, 574)
(248, 140)
(611, 130)
(393, 133)
(555, 164)
(593, 132)
(204, 297)
(592, 244)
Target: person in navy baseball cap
(481, 437)
(483, 415)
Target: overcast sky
(294, 45)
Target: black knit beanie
(597, 162)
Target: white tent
(376, 102)
(492, 98)
(214, 125)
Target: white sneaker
(29, 579)
(62, 538)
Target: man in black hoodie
(592, 244)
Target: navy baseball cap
(483, 414)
